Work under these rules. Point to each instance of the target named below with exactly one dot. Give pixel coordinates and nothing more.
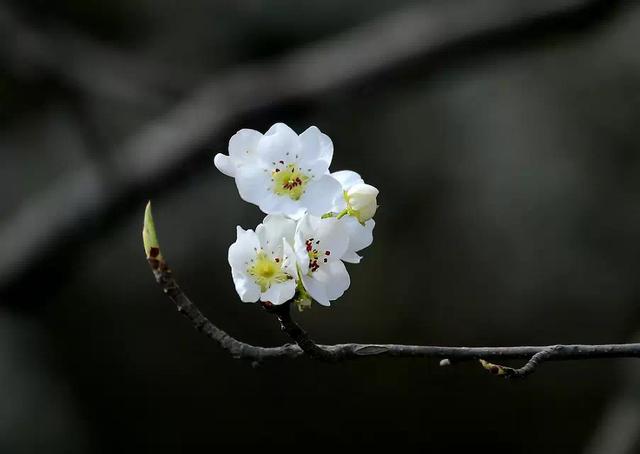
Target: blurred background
(503, 136)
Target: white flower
(319, 246)
(281, 172)
(263, 263)
(360, 232)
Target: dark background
(506, 154)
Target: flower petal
(289, 259)
(243, 250)
(300, 247)
(280, 143)
(360, 237)
(339, 280)
(247, 289)
(321, 195)
(332, 236)
(224, 164)
(317, 151)
(279, 293)
(328, 283)
(316, 289)
(253, 184)
(326, 148)
(347, 178)
(273, 229)
(351, 257)
(243, 143)
(276, 204)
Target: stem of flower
(343, 213)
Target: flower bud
(361, 198)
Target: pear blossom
(358, 203)
(319, 244)
(263, 263)
(283, 172)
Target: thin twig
(546, 354)
(340, 352)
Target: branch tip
(150, 237)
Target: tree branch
(295, 332)
(85, 65)
(535, 355)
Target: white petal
(351, 257)
(316, 289)
(225, 164)
(272, 203)
(279, 293)
(347, 178)
(328, 283)
(326, 148)
(289, 259)
(280, 143)
(300, 249)
(243, 250)
(316, 151)
(247, 289)
(254, 185)
(360, 236)
(310, 141)
(244, 143)
(273, 229)
(332, 236)
(339, 280)
(321, 195)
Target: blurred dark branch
(48, 223)
(618, 431)
(83, 64)
(341, 352)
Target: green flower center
(267, 271)
(289, 181)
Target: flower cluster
(316, 220)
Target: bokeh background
(503, 136)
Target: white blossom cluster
(316, 220)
